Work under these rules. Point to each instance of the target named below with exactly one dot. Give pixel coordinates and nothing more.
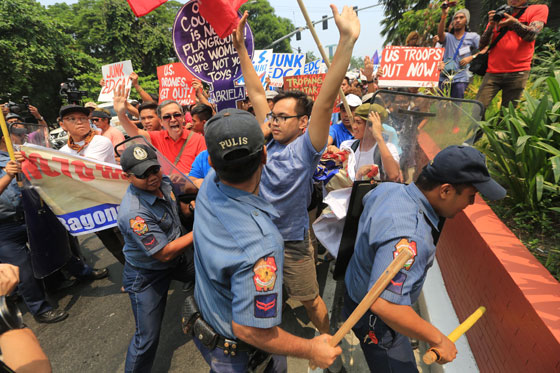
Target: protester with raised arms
(293, 154)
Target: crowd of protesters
(246, 243)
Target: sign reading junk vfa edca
(207, 56)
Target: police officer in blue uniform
(239, 258)
(397, 216)
(156, 250)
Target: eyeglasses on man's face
(280, 119)
(73, 120)
(167, 117)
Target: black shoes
(96, 274)
(52, 316)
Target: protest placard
(114, 74)
(315, 67)
(309, 84)
(175, 83)
(410, 67)
(207, 56)
(285, 64)
(261, 61)
(83, 193)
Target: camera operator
(509, 60)
(20, 348)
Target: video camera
(19, 109)
(501, 11)
(70, 91)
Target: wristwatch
(10, 316)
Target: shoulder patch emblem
(149, 241)
(138, 225)
(265, 274)
(397, 283)
(265, 305)
(400, 246)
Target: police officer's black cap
(232, 137)
(464, 165)
(138, 158)
(67, 109)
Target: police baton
(371, 296)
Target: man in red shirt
(178, 144)
(509, 61)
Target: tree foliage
(267, 27)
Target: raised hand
(377, 127)
(367, 71)
(238, 35)
(347, 22)
(134, 78)
(119, 99)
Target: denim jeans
(148, 296)
(385, 350)
(13, 250)
(222, 363)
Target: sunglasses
(167, 117)
(150, 171)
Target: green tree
(267, 27)
(394, 12)
(356, 62)
(37, 55)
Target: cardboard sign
(175, 83)
(315, 67)
(261, 61)
(285, 64)
(207, 56)
(410, 67)
(310, 84)
(115, 74)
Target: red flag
(221, 15)
(142, 7)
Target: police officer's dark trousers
(385, 350)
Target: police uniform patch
(149, 241)
(265, 305)
(396, 284)
(265, 274)
(139, 153)
(400, 246)
(138, 225)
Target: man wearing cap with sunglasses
(239, 258)
(396, 216)
(101, 118)
(342, 130)
(178, 144)
(156, 250)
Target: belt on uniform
(232, 345)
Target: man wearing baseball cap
(102, 120)
(239, 256)
(342, 130)
(155, 250)
(397, 216)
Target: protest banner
(83, 193)
(309, 84)
(207, 56)
(175, 83)
(315, 67)
(261, 61)
(114, 75)
(410, 67)
(285, 64)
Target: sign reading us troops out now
(207, 56)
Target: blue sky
(370, 38)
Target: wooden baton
(432, 355)
(371, 296)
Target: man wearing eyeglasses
(175, 142)
(101, 119)
(293, 154)
(154, 250)
(82, 139)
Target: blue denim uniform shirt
(238, 258)
(10, 199)
(394, 215)
(148, 223)
(339, 133)
(287, 184)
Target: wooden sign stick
(371, 296)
